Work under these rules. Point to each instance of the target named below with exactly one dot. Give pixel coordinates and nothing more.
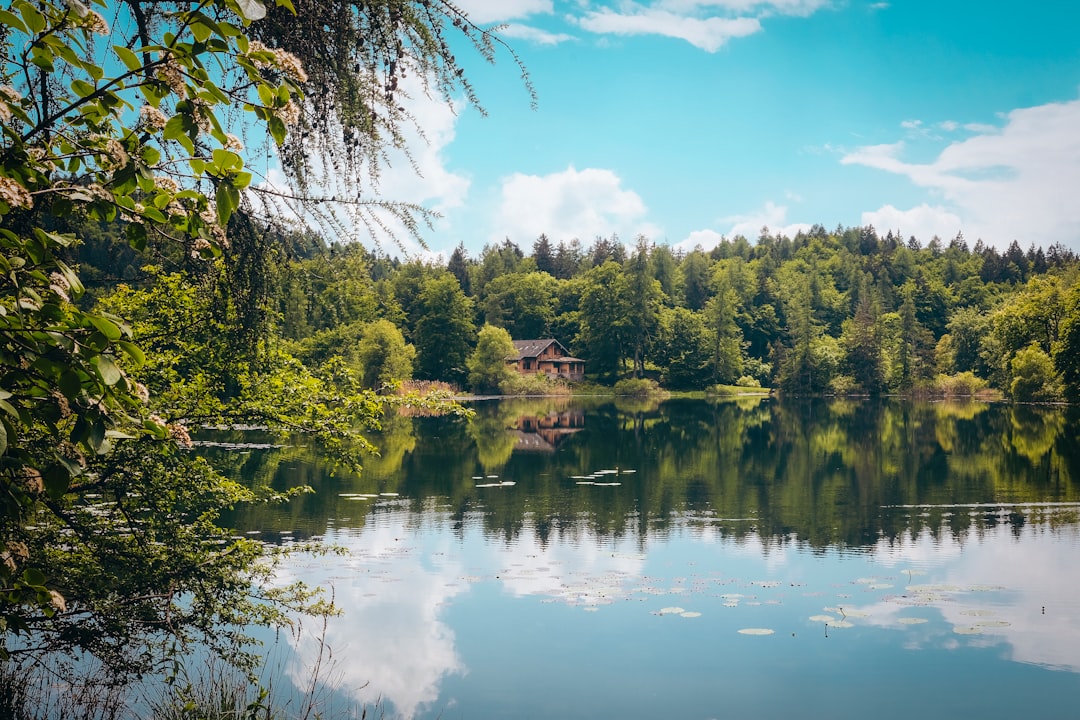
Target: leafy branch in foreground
(109, 536)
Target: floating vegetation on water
(388, 494)
(878, 586)
(993, 624)
(912, 620)
(756, 631)
(841, 624)
(967, 630)
(504, 483)
(690, 614)
(822, 618)
(671, 611)
(977, 612)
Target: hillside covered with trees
(840, 312)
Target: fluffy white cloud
(398, 647)
(923, 221)
(1013, 182)
(707, 24)
(709, 34)
(570, 204)
(758, 7)
(771, 215)
(534, 35)
(491, 11)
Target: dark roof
(533, 348)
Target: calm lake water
(694, 559)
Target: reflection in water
(932, 542)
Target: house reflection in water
(546, 432)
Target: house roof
(533, 348)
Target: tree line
(841, 312)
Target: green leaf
(3, 438)
(110, 373)
(130, 59)
(34, 20)
(70, 384)
(82, 88)
(72, 279)
(42, 58)
(133, 351)
(136, 233)
(33, 577)
(277, 129)
(227, 199)
(12, 20)
(150, 155)
(107, 327)
(56, 479)
(96, 438)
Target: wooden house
(548, 357)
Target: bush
(965, 384)
(747, 381)
(845, 385)
(539, 384)
(638, 387)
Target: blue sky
(687, 120)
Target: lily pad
(822, 618)
(971, 630)
(756, 631)
(671, 611)
(912, 620)
(690, 614)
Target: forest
(846, 312)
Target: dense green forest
(842, 312)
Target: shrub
(965, 384)
(637, 387)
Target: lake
(588, 558)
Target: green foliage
(965, 384)
(1033, 375)
(444, 330)
(488, 366)
(636, 387)
(522, 303)
(684, 349)
(109, 533)
(384, 356)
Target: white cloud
(800, 8)
(1014, 182)
(570, 204)
(771, 215)
(493, 11)
(709, 34)
(398, 646)
(923, 221)
(707, 239)
(534, 35)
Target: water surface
(695, 559)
